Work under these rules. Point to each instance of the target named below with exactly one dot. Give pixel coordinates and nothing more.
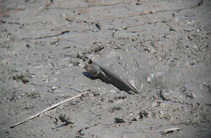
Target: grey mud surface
(163, 47)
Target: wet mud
(162, 48)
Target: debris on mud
(63, 118)
(170, 130)
(119, 120)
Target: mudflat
(163, 48)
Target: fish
(102, 72)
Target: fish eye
(90, 61)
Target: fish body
(99, 71)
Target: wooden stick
(46, 109)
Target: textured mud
(162, 47)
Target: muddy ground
(162, 47)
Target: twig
(46, 109)
(48, 36)
(170, 130)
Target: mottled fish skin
(92, 69)
(108, 76)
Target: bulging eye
(90, 61)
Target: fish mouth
(86, 67)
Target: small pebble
(28, 46)
(54, 87)
(142, 114)
(119, 120)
